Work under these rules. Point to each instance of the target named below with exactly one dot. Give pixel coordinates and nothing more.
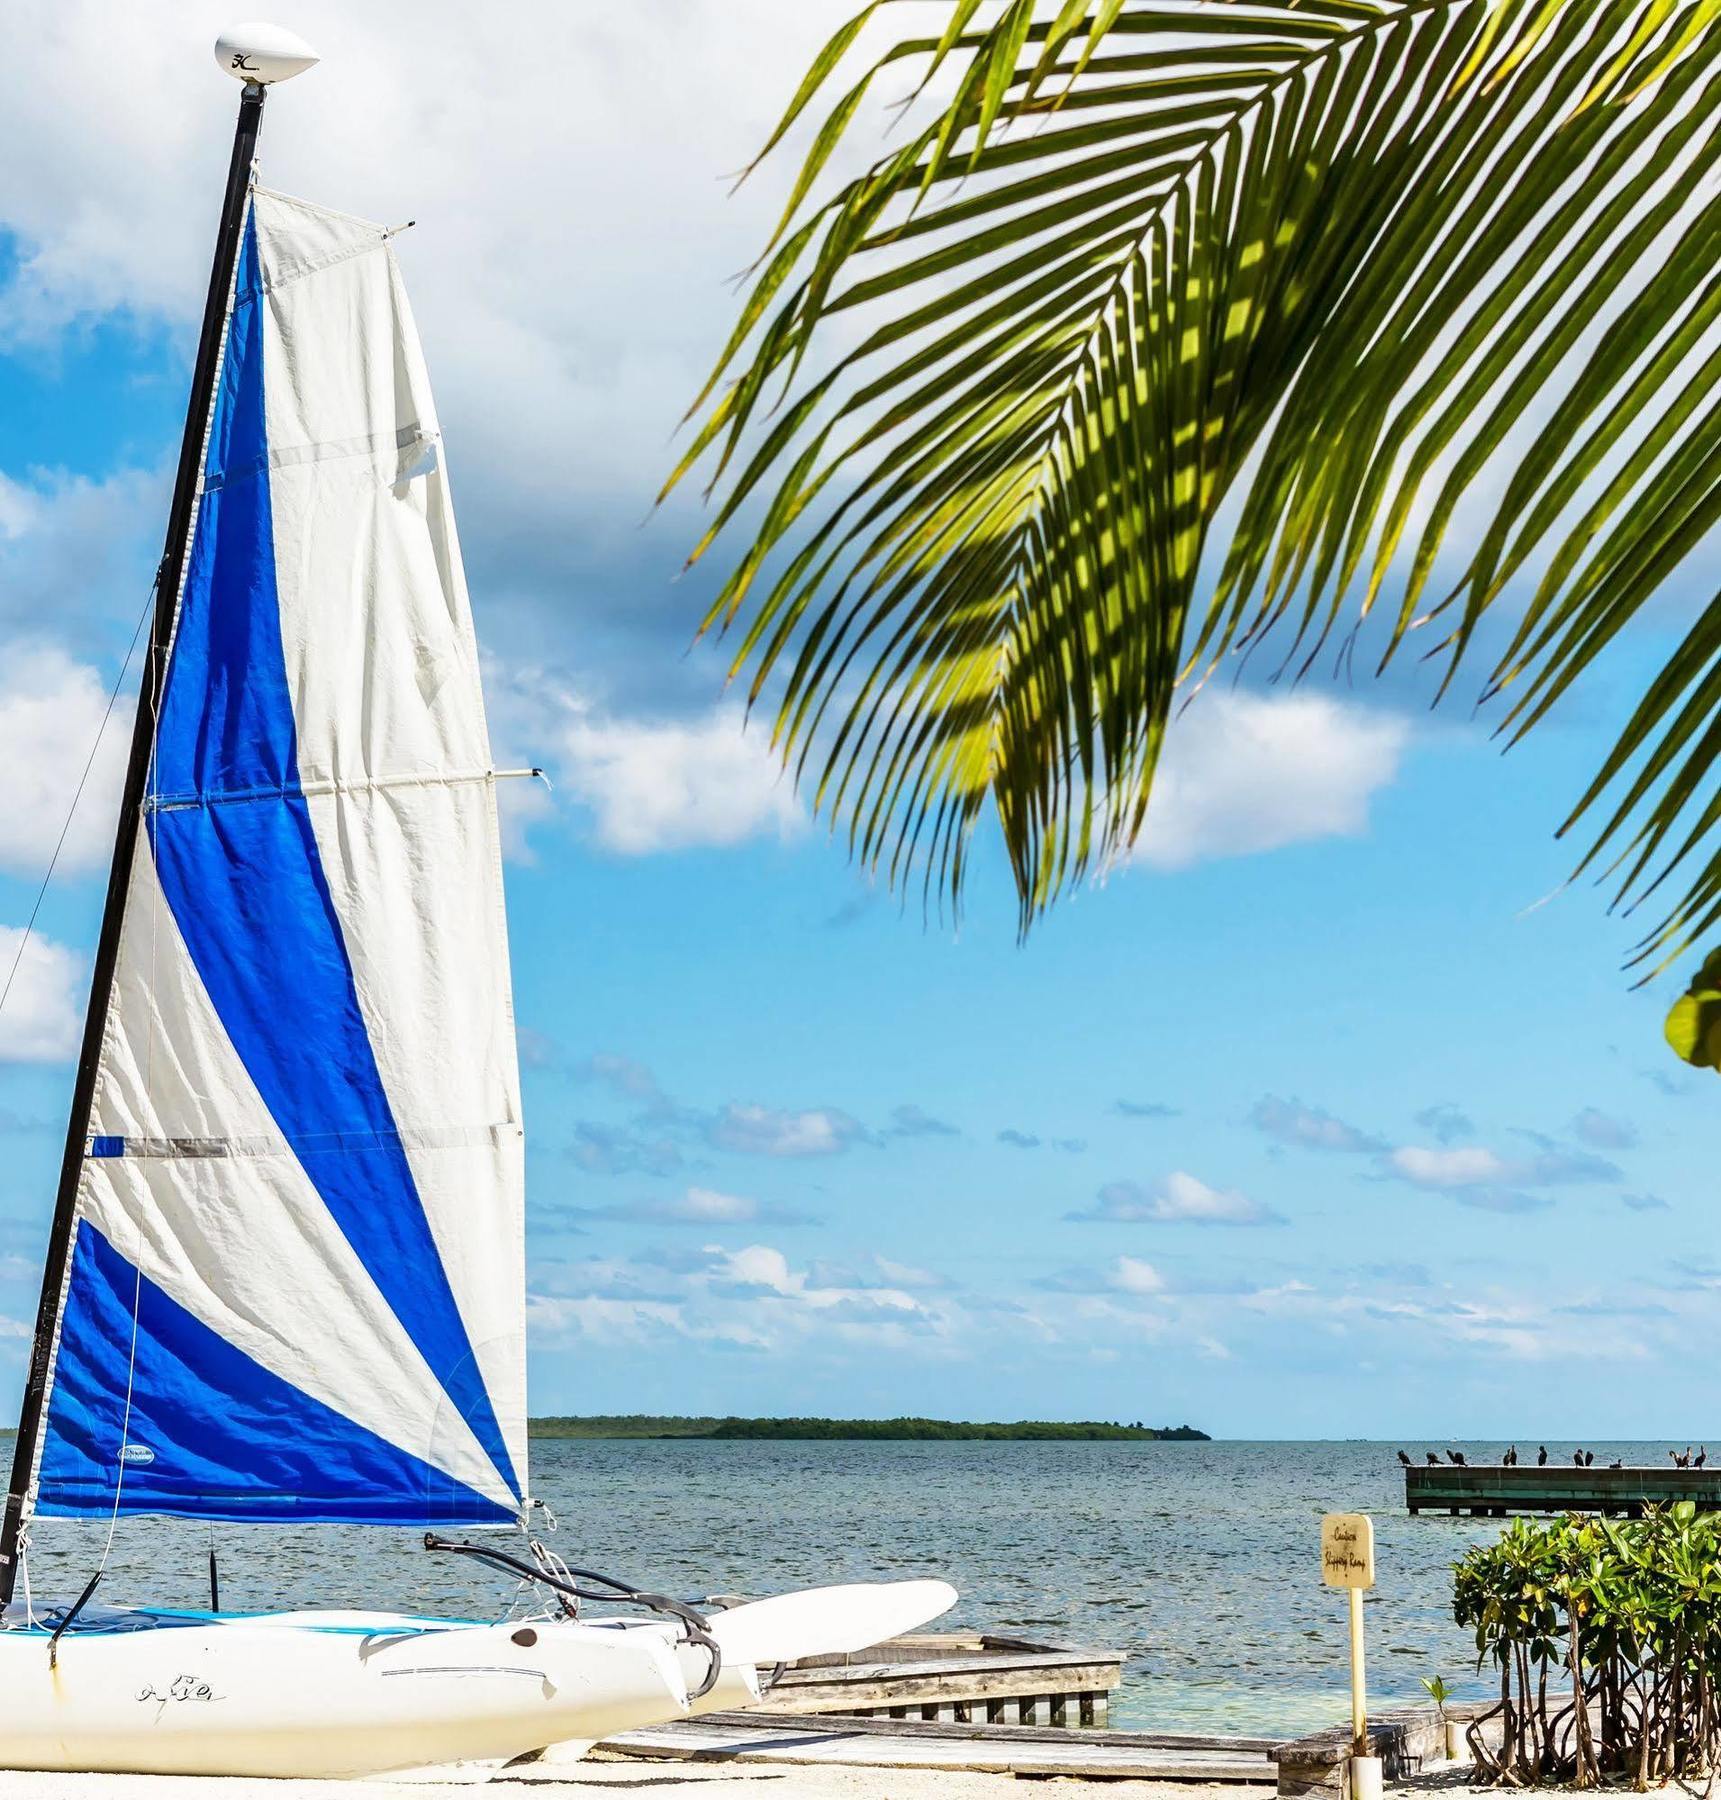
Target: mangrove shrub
(1606, 1637)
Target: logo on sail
(136, 1453)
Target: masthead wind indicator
(263, 54)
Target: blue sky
(1309, 1122)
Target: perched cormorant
(1455, 1456)
(1616, 1464)
(1432, 1459)
(1404, 1459)
(1510, 1459)
(1702, 1457)
(1578, 1458)
(1542, 1456)
(1589, 1459)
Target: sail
(296, 1285)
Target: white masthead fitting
(263, 53)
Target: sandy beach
(602, 1778)
(647, 1780)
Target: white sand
(612, 1780)
(600, 1780)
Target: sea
(1200, 1562)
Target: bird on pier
(1578, 1458)
(1542, 1456)
(1433, 1460)
(1456, 1456)
(1589, 1459)
(1616, 1464)
(1702, 1457)
(1404, 1459)
(1687, 1462)
(1681, 1462)
(1510, 1459)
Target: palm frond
(1348, 264)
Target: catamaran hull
(286, 1698)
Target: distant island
(655, 1425)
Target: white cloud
(645, 785)
(42, 1019)
(1308, 1127)
(1461, 1167)
(570, 261)
(1605, 1131)
(1130, 1275)
(51, 709)
(1180, 1199)
(707, 1203)
(765, 1131)
(1457, 1166)
(1245, 772)
(675, 786)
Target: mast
(255, 63)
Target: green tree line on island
(654, 1425)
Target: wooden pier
(1492, 1492)
(956, 1678)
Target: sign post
(1347, 1561)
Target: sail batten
(305, 1157)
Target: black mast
(167, 583)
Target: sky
(1331, 1114)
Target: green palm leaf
(1336, 266)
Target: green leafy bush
(1606, 1636)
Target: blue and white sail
(296, 1287)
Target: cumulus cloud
(768, 1131)
(677, 786)
(1446, 1123)
(52, 710)
(1130, 1275)
(641, 786)
(910, 1120)
(697, 1206)
(1604, 1131)
(1247, 772)
(605, 1149)
(1309, 1127)
(42, 1020)
(1461, 1166)
(1180, 1199)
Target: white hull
(340, 1694)
(333, 1694)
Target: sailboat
(285, 1279)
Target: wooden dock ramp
(757, 1737)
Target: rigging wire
(18, 961)
(83, 779)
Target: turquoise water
(1198, 1560)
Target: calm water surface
(1198, 1560)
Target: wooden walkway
(754, 1737)
(1493, 1492)
(956, 1678)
